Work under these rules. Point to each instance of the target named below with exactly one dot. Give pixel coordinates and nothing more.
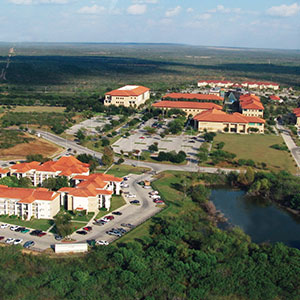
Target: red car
(109, 218)
(87, 228)
(41, 234)
(1, 238)
(142, 137)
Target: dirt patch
(38, 146)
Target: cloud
(225, 10)
(145, 1)
(91, 10)
(29, 2)
(137, 9)
(205, 16)
(284, 10)
(173, 11)
(189, 10)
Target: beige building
(251, 106)
(218, 121)
(26, 203)
(190, 108)
(215, 83)
(296, 112)
(91, 193)
(3, 172)
(261, 85)
(128, 96)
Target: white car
(104, 220)
(131, 196)
(102, 243)
(9, 240)
(125, 185)
(155, 197)
(4, 226)
(147, 186)
(14, 227)
(18, 241)
(154, 193)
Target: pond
(263, 222)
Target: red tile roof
(3, 171)
(193, 96)
(24, 195)
(215, 115)
(296, 111)
(250, 102)
(186, 104)
(275, 98)
(138, 90)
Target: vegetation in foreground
(189, 257)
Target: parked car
(154, 193)
(82, 232)
(147, 186)
(109, 218)
(159, 202)
(99, 223)
(155, 197)
(14, 227)
(2, 238)
(25, 230)
(142, 137)
(130, 195)
(18, 241)
(141, 183)
(58, 237)
(124, 185)
(105, 243)
(135, 202)
(35, 232)
(28, 244)
(9, 240)
(4, 226)
(40, 234)
(122, 230)
(126, 178)
(20, 229)
(117, 213)
(87, 228)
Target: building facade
(37, 172)
(26, 203)
(190, 108)
(91, 193)
(128, 96)
(215, 83)
(218, 121)
(260, 85)
(251, 106)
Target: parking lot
(140, 140)
(91, 124)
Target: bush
(279, 147)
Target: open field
(38, 146)
(37, 109)
(257, 148)
(123, 170)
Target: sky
(238, 23)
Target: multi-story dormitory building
(90, 192)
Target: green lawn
(116, 202)
(257, 148)
(84, 218)
(123, 170)
(35, 223)
(177, 204)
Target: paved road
(295, 150)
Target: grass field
(38, 146)
(123, 170)
(35, 223)
(116, 202)
(257, 148)
(38, 109)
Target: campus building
(215, 83)
(190, 108)
(128, 96)
(194, 97)
(251, 106)
(91, 193)
(26, 203)
(296, 112)
(3, 172)
(37, 172)
(260, 85)
(215, 120)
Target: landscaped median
(123, 170)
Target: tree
(80, 135)
(63, 224)
(199, 193)
(36, 157)
(176, 126)
(150, 130)
(89, 159)
(153, 147)
(56, 183)
(105, 142)
(209, 136)
(108, 156)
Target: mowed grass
(177, 204)
(123, 170)
(257, 148)
(35, 223)
(116, 202)
(39, 109)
